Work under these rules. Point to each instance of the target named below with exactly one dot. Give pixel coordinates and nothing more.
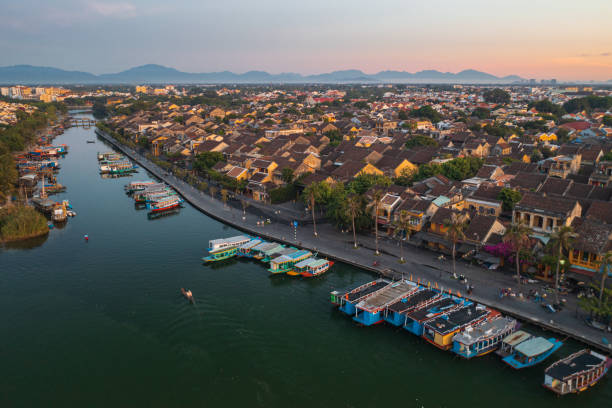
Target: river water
(102, 324)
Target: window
(585, 257)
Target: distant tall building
(532, 81)
(553, 81)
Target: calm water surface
(102, 324)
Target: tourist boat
(138, 185)
(315, 268)
(259, 250)
(109, 156)
(577, 372)
(121, 167)
(164, 204)
(347, 300)
(246, 250)
(275, 252)
(415, 321)
(231, 242)
(396, 312)
(221, 254)
(485, 337)
(441, 330)
(532, 351)
(370, 310)
(511, 341)
(286, 262)
(150, 196)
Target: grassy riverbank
(21, 222)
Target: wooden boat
(246, 250)
(285, 263)
(441, 330)
(346, 300)
(371, 310)
(165, 203)
(396, 312)
(511, 341)
(188, 295)
(223, 243)
(221, 254)
(485, 337)
(315, 268)
(577, 372)
(415, 320)
(138, 185)
(532, 351)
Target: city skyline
(543, 40)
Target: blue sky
(536, 38)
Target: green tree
(604, 270)
(482, 113)
(420, 140)
(353, 208)
(496, 96)
(376, 199)
(518, 236)
(402, 226)
(427, 112)
(206, 160)
(561, 240)
(509, 198)
(455, 231)
(287, 175)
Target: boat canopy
(534, 347)
(484, 330)
(308, 262)
(228, 241)
(316, 263)
(249, 245)
(516, 338)
(582, 361)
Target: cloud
(106, 9)
(605, 54)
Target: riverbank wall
(346, 254)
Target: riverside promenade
(421, 265)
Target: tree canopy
(496, 96)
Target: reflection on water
(27, 243)
(163, 214)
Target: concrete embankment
(329, 243)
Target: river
(102, 323)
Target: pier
(421, 265)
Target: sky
(566, 40)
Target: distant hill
(152, 73)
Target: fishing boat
(415, 320)
(91, 141)
(164, 204)
(246, 250)
(532, 351)
(577, 372)
(315, 268)
(285, 263)
(396, 312)
(511, 341)
(231, 242)
(370, 310)
(347, 300)
(483, 338)
(441, 330)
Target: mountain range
(151, 73)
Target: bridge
(81, 122)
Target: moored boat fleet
(158, 198)
(467, 329)
(115, 164)
(281, 259)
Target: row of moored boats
(115, 164)
(281, 259)
(157, 197)
(468, 329)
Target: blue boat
(396, 312)
(246, 250)
(483, 338)
(347, 300)
(371, 309)
(532, 352)
(415, 320)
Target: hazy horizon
(543, 40)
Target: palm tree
(402, 224)
(376, 199)
(455, 227)
(518, 236)
(224, 195)
(605, 265)
(562, 239)
(212, 190)
(353, 209)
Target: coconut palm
(402, 224)
(376, 199)
(518, 236)
(455, 227)
(353, 209)
(605, 265)
(561, 239)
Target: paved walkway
(421, 264)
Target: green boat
(285, 263)
(221, 255)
